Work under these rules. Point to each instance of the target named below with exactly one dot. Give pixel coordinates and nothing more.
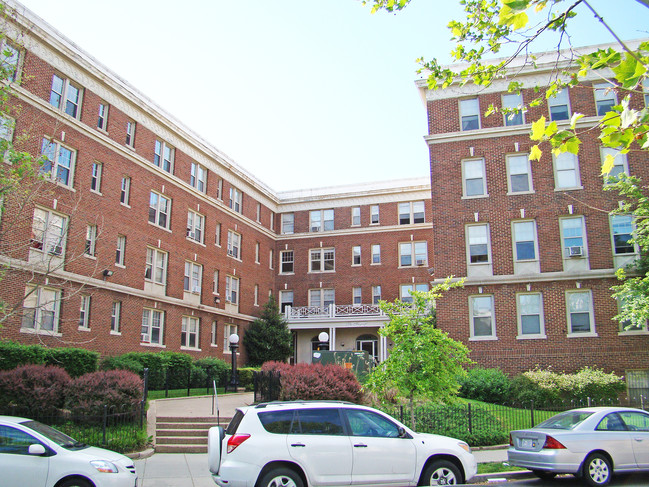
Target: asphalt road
(636, 480)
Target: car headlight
(464, 446)
(104, 466)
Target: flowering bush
(33, 390)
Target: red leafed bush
(316, 381)
(120, 390)
(33, 390)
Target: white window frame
(229, 329)
(271, 259)
(287, 262)
(116, 318)
(198, 177)
(190, 332)
(375, 215)
(256, 295)
(517, 237)
(405, 291)
(234, 245)
(236, 199)
(561, 98)
(258, 212)
(645, 89)
(219, 189)
(49, 231)
(643, 330)
(565, 249)
(152, 320)
(475, 239)
(130, 133)
(60, 170)
(322, 260)
(356, 255)
(469, 109)
(413, 254)
(164, 155)
(96, 176)
(513, 101)
(322, 298)
(411, 212)
(102, 116)
(8, 61)
(376, 254)
(356, 216)
(605, 97)
(195, 226)
(357, 295)
(84, 312)
(322, 220)
(156, 266)
(520, 314)
(64, 99)
(193, 279)
(620, 164)
(477, 163)
(560, 164)
(157, 210)
(91, 241)
(232, 289)
(43, 301)
(491, 314)
(217, 235)
(215, 282)
(591, 313)
(513, 170)
(628, 218)
(125, 191)
(376, 294)
(214, 334)
(288, 223)
(285, 299)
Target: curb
(490, 478)
(138, 455)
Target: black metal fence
(267, 386)
(182, 380)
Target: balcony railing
(332, 311)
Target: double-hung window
(478, 243)
(116, 317)
(356, 216)
(620, 164)
(411, 212)
(285, 299)
(125, 193)
(287, 262)
(48, 231)
(469, 114)
(604, 97)
(198, 177)
(622, 232)
(483, 323)
(356, 255)
(473, 178)
(195, 226)
(357, 295)
(513, 106)
(159, 210)
(234, 244)
(322, 260)
(232, 289)
(524, 240)
(645, 88)
(163, 156)
(520, 173)
(579, 306)
(236, 199)
(95, 178)
(58, 162)
(9, 61)
(376, 254)
(228, 329)
(374, 215)
(130, 133)
(41, 309)
(193, 277)
(376, 294)
(322, 298)
(572, 234)
(566, 171)
(321, 220)
(529, 311)
(413, 254)
(559, 105)
(406, 290)
(189, 332)
(91, 240)
(156, 266)
(288, 223)
(66, 96)
(84, 312)
(102, 117)
(152, 326)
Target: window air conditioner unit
(190, 234)
(144, 337)
(420, 262)
(576, 251)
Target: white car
(299, 444)
(36, 455)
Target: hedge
(76, 361)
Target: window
(91, 240)
(529, 309)
(406, 290)
(620, 164)
(102, 117)
(271, 259)
(95, 180)
(356, 216)
(215, 282)
(116, 317)
(572, 231)
(376, 294)
(645, 88)
(322, 260)
(7, 125)
(228, 329)
(285, 299)
(193, 277)
(236, 198)
(288, 223)
(84, 312)
(524, 240)
(272, 220)
(478, 241)
(219, 189)
(519, 173)
(558, 106)
(234, 244)
(473, 178)
(566, 171)
(411, 212)
(232, 289)
(198, 177)
(604, 97)
(195, 225)
(481, 309)
(258, 212)
(65, 96)
(256, 295)
(469, 114)
(322, 298)
(622, 232)
(48, 231)
(368, 423)
(357, 295)
(217, 236)
(374, 215)
(627, 326)
(321, 220)
(256, 252)
(214, 334)
(356, 255)
(41, 309)
(159, 210)
(580, 313)
(130, 133)
(376, 254)
(125, 195)
(156, 266)
(511, 102)
(287, 262)
(58, 162)
(163, 156)
(9, 62)
(413, 254)
(152, 326)
(189, 332)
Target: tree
(494, 25)
(268, 337)
(424, 362)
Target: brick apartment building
(535, 241)
(148, 238)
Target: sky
(299, 93)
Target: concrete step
(184, 426)
(181, 440)
(166, 448)
(180, 433)
(189, 419)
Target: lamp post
(324, 340)
(234, 345)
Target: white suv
(299, 444)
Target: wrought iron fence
(183, 380)
(267, 386)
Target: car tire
(441, 472)
(281, 477)
(215, 437)
(75, 482)
(544, 474)
(597, 470)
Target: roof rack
(262, 405)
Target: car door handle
(639, 439)
(302, 445)
(360, 445)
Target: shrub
(118, 389)
(13, 355)
(247, 377)
(487, 385)
(315, 381)
(76, 361)
(163, 366)
(207, 369)
(33, 390)
(120, 362)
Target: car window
(234, 423)
(50, 433)
(368, 423)
(611, 422)
(15, 441)
(278, 422)
(318, 422)
(565, 421)
(635, 420)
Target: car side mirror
(402, 432)
(36, 449)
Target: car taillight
(235, 441)
(552, 444)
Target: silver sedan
(593, 443)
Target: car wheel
(75, 482)
(544, 474)
(214, 441)
(597, 470)
(441, 472)
(281, 477)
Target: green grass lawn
(496, 467)
(199, 391)
(514, 418)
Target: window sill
(476, 197)
(633, 333)
(84, 328)
(98, 193)
(129, 146)
(32, 331)
(234, 258)
(356, 265)
(321, 272)
(161, 228)
(91, 257)
(121, 266)
(483, 339)
(214, 345)
(286, 274)
(195, 241)
(153, 345)
(125, 205)
(514, 193)
(116, 333)
(589, 334)
(532, 337)
(571, 188)
(375, 263)
(190, 349)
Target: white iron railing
(332, 311)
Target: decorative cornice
(532, 278)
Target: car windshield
(54, 435)
(565, 421)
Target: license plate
(528, 443)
